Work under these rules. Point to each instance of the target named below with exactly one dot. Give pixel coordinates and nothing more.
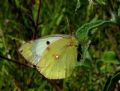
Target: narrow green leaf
(111, 82)
(35, 10)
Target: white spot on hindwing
(57, 57)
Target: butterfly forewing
(32, 51)
(25, 51)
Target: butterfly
(54, 56)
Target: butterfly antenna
(11, 60)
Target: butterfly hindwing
(59, 58)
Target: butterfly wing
(59, 58)
(32, 51)
(25, 51)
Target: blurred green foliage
(95, 23)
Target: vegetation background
(96, 24)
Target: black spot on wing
(47, 42)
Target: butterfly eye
(47, 42)
(21, 50)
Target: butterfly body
(54, 56)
